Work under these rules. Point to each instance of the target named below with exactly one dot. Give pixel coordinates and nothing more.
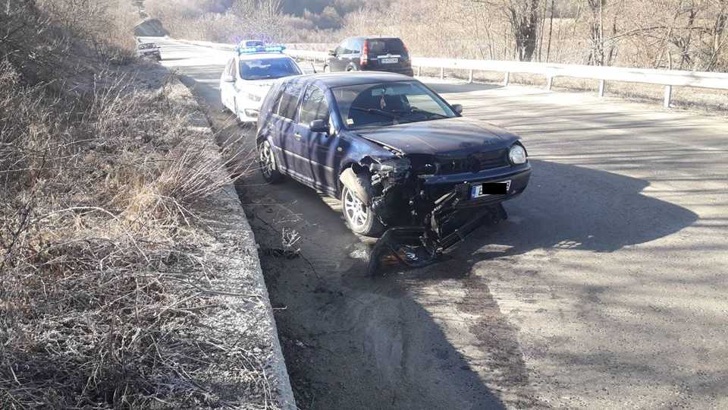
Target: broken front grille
(474, 162)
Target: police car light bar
(261, 49)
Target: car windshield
(391, 103)
(268, 68)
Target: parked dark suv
(370, 54)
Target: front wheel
(268, 165)
(358, 216)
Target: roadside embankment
(128, 274)
(239, 280)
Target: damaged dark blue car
(405, 164)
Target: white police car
(249, 75)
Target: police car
(248, 76)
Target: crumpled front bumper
(455, 215)
(516, 177)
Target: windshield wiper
(387, 114)
(428, 113)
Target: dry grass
(107, 287)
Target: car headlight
(517, 155)
(392, 165)
(253, 97)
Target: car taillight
(364, 59)
(406, 51)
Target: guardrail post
(419, 71)
(470, 77)
(442, 73)
(549, 82)
(507, 78)
(602, 86)
(668, 96)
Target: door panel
(316, 146)
(289, 137)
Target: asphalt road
(606, 288)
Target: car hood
(450, 136)
(257, 87)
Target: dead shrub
(106, 283)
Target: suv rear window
(379, 46)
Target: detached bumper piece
(446, 226)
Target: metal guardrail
(666, 78)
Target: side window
(357, 45)
(314, 106)
(289, 101)
(351, 47)
(270, 103)
(340, 49)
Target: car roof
(258, 56)
(331, 80)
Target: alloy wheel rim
(266, 159)
(355, 210)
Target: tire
(267, 162)
(359, 217)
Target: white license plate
(477, 190)
(393, 60)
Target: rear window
(252, 43)
(379, 46)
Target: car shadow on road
(569, 207)
(394, 335)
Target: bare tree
(524, 18)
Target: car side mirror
(332, 53)
(458, 108)
(319, 126)
(228, 79)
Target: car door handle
(298, 136)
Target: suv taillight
(364, 59)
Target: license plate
(488, 189)
(391, 60)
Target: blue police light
(261, 49)
(275, 49)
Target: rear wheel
(268, 165)
(358, 216)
